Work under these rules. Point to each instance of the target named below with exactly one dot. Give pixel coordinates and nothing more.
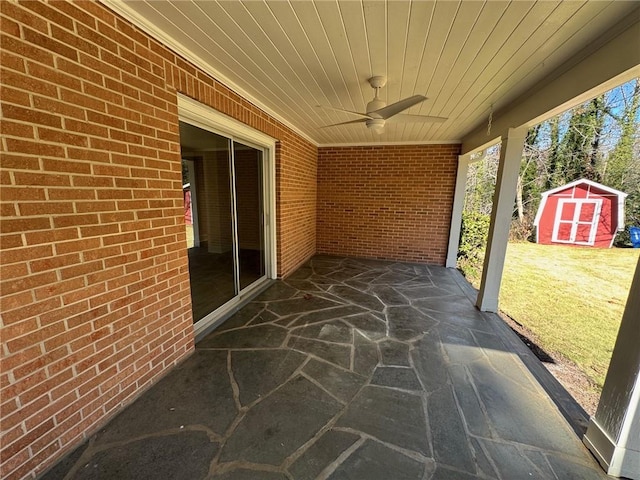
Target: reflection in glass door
(223, 193)
(249, 207)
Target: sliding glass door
(224, 197)
(249, 207)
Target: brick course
(386, 202)
(95, 288)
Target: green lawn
(572, 299)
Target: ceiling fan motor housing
(375, 104)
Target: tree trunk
(519, 203)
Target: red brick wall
(95, 291)
(389, 202)
(296, 191)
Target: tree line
(598, 140)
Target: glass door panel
(207, 163)
(249, 210)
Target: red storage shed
(582, 212)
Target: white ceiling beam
(615, 61)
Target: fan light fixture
(376, 124)
(378, 112)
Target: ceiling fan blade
(395, 108)
(360, 120)
(363, 115)
(406, 118)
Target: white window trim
(575, 222)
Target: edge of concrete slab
(573, 413)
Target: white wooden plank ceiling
(290, 56)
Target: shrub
(473, 242)
(520, 231)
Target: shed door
(576, 221)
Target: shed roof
(591, 183)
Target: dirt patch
(581, 387)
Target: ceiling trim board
(391, 144)
(130, 15)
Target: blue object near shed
(634, 234)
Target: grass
(571, 298)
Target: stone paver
(349, 369)
(375, 461)
(335, 331)
(389, 415)
(182, 456)
(246, 474)
(259, 336)
(368, 324)
(276, 427)
(181, 399)
(341, 383)
(322, 453)
(259, 372)
(404, 378)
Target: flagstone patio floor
(348, 369)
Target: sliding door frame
(199, 115)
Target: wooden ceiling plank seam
(207, 52)
(314, 113)
(467, 29)
(508, 41)
(243, 43)
(426, 38)
(461, 27)
(608, 64)
(351, 13)
(342, 56)
(305, 65)
(357, 43)
(481, 30)
(325, 79)
(474, 43)
(223, 52)
(576, 31)
(582, 29)
(418, 12)
(312, 25)
(363, 16)
(283, 65)
(444, 13)
(265, 19)
(397, 21)
(376, 25)
(531, 62)
(470, 70)
(290, 23)
(512, 16)
(515, 44)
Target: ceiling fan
(378, 112)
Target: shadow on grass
(537, 350)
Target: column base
(616, 461)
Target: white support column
(456, 213)
(501, 213)
(613, 435)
